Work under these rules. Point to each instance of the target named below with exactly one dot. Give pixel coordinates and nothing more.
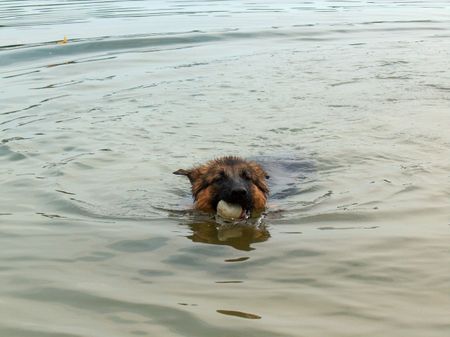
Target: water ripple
(113, 45)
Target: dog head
(231, 179)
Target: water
(345, 102)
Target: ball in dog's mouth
(230, 211)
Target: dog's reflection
(239, 236)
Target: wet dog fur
(231, 179)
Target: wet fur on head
(230, 178)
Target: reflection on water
(239, 236)
(345, 103)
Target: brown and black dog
(231, 179)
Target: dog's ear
(187, 173)
(182, 172)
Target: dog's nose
(238, 192)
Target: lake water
(347, 104)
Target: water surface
(345, 102)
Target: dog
(232, 179)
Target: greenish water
(345, 102)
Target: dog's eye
(246, 175)
(219, 177)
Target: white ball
(229, 211)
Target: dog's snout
(239, 192)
